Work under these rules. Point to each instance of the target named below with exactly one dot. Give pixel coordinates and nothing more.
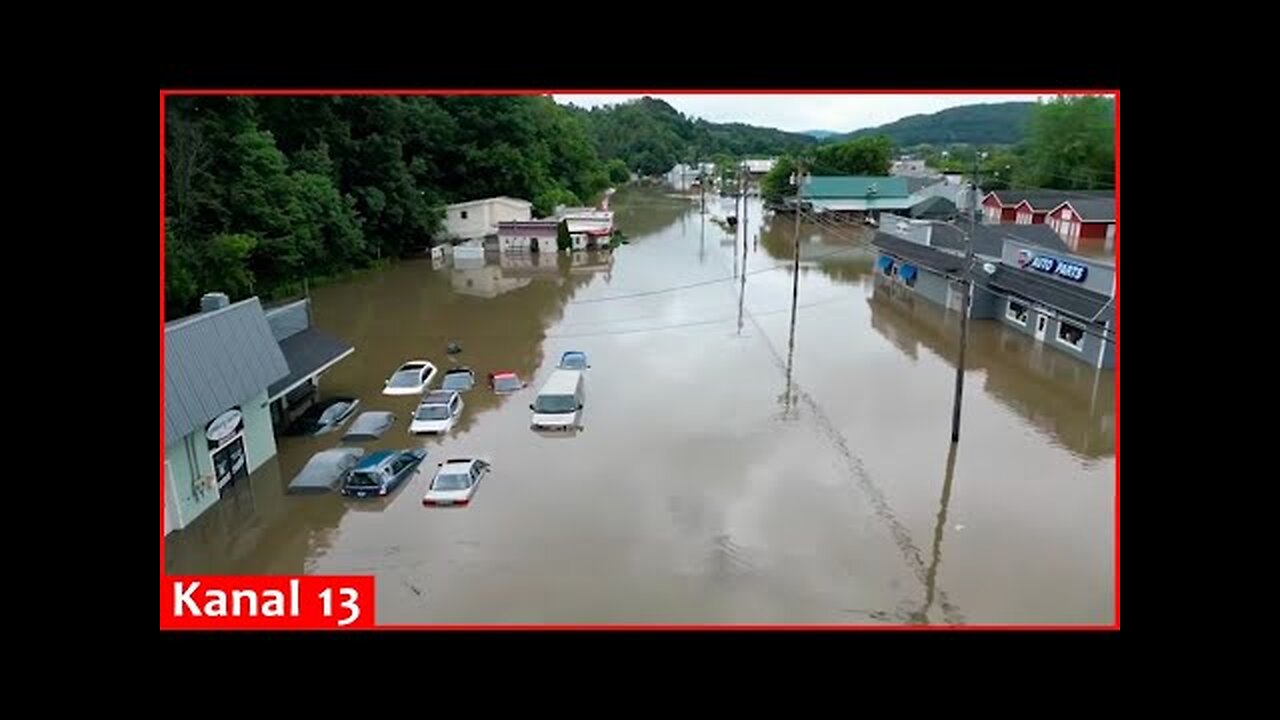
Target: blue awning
(884, 262)
(908, 272)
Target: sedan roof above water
(323, 471)
(370, 426)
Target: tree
(863, 156)
(777, 183)
(618, 172)
(226, 264)
(1071, 144)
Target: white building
(478, 219)
(760, 167)
(589, 228)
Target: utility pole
(745, 197)
(964, 308)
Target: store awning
(884, 262)
(308, 353)
(908, 272)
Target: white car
(455, 482)
(437, 413)
(410, 378)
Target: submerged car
(505, 382)
(369, 426)
(455, 482)
(437, 413)
(323, 417)
(560, 402)
(459, 379)
(381, 472)
(410, 378)
(573, 360)
(325, 471)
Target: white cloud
(795, 112)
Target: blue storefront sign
(1053, 266)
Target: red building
(1029, 207)
(1085, 222)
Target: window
(463, 214)
(1072, 335)
(1017, 312)
(909, 280)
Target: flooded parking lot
(732, 468)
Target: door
(230, 463)
(1042, 322)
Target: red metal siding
(1009, 215)
(1093, 230)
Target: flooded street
(733, 468)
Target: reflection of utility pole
(964, 309)
(931, 576)
(702, 243)
(795, 286)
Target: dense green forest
(650, 136)
(262, 192)
(990, 124)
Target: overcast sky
(842, 113)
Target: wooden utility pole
(964, 308)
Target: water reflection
(1066, 398)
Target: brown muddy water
(729, 470)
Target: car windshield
(574, 361)
(504, 384)
(451, 482)
(433, 412)
(406, 378)
(456, 381)
(555, 404)
(363, 479)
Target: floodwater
(733, 467)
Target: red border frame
(1115, 93)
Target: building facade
(1023, 276)
(217, 423)
(1085, 223)
(528, 236)
(1064, 301)
(478, 219)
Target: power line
(696, 323)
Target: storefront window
(1017, 312)
(1072, 335)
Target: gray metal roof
(214, 361)
(919, 254)
(989, 239)
(1095, 209)
(307, 352)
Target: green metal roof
(850, 186)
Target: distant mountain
(820, 134)
(989, 124)
(650, 136)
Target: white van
(559, 403)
